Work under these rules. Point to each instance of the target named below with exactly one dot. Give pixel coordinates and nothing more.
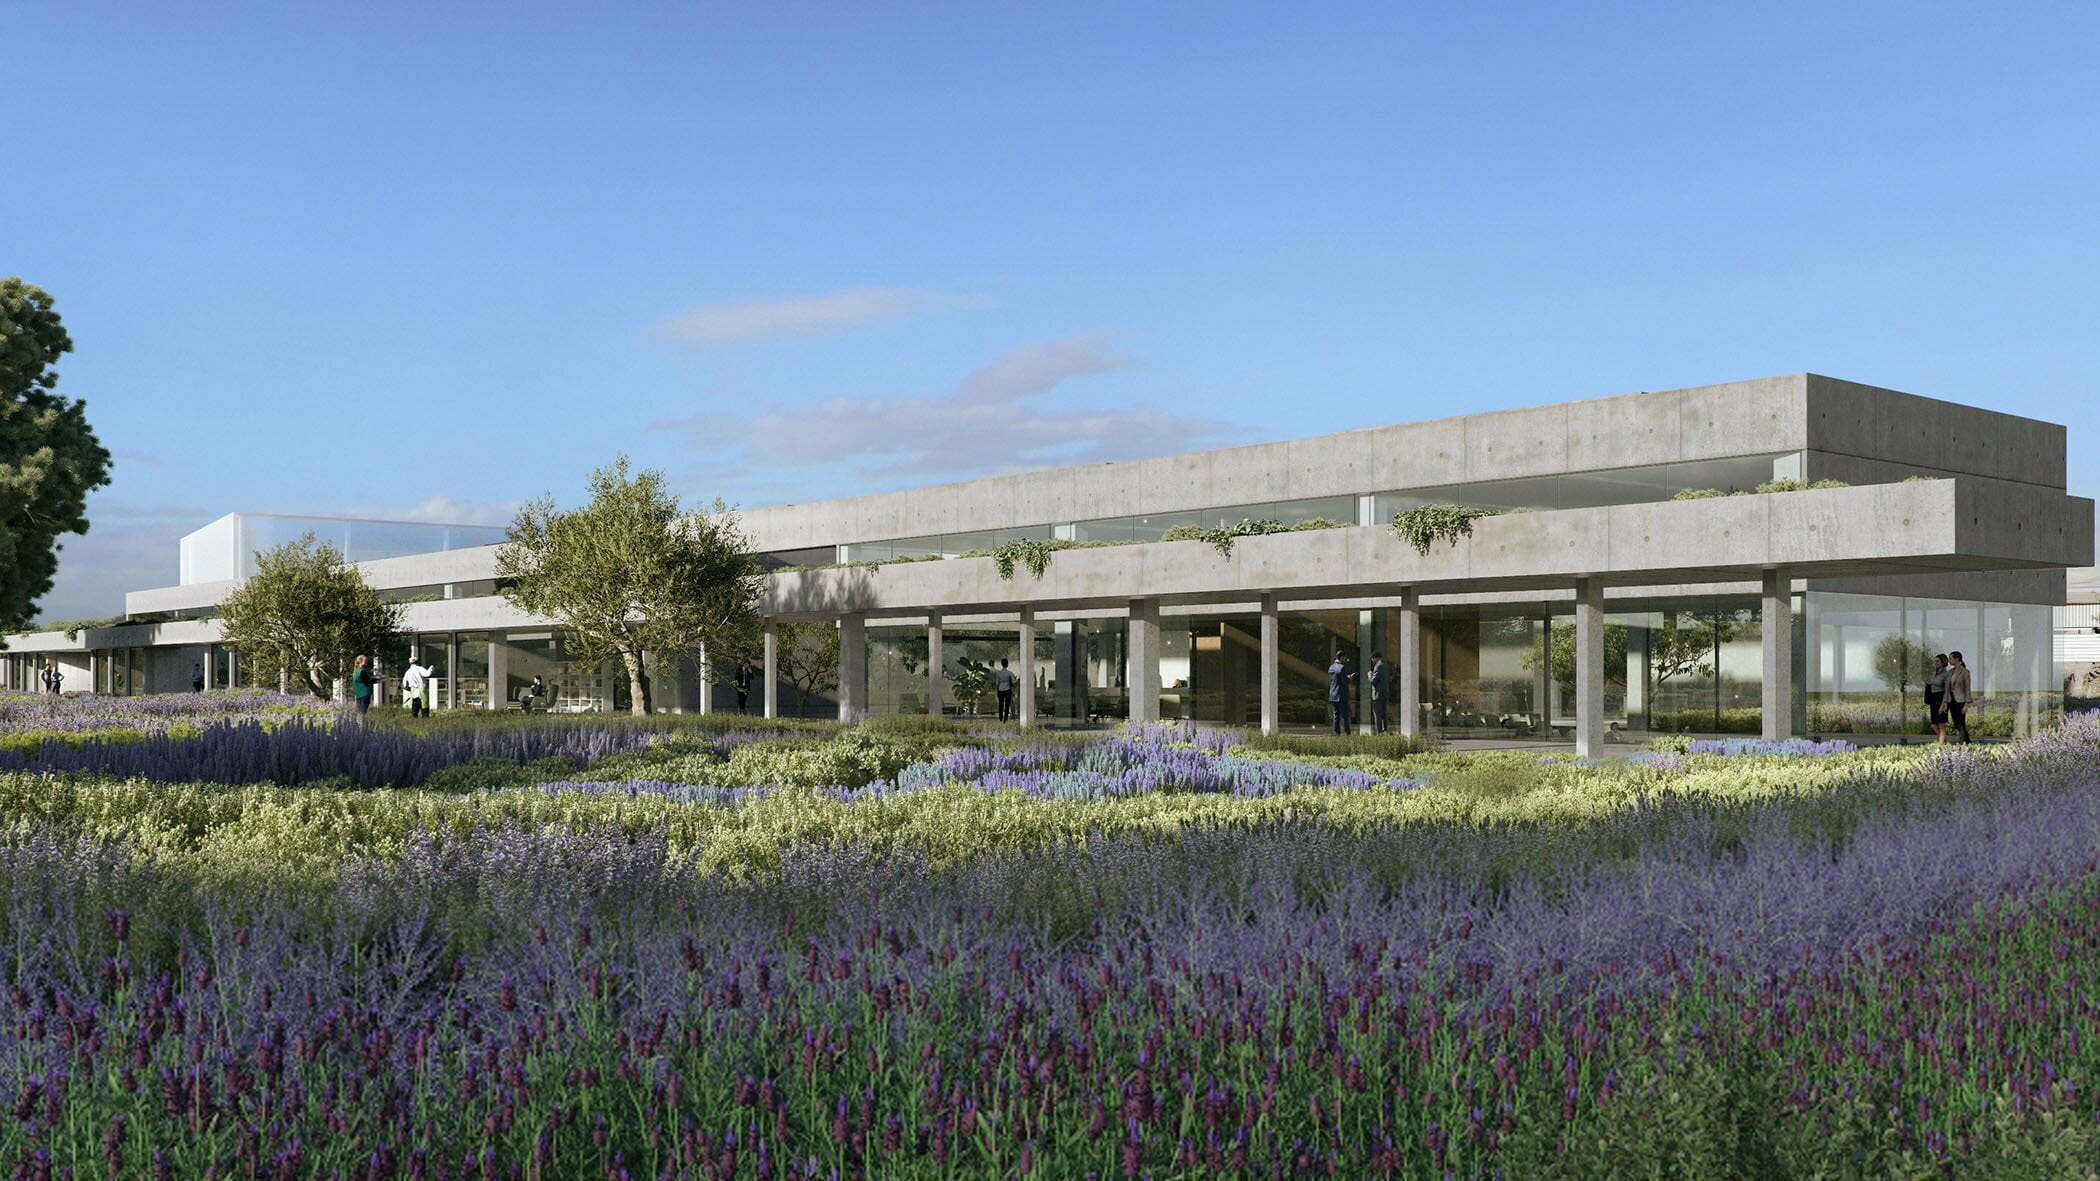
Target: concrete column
(1542, 683)
(1367, 638)
(704, 673)
(1027, 670)
(1777, 627)
(1409, 697)
(452, 670)
(771, 689)
(1589, 666)
(1142, 676)
(853, 668)
(1271, 643)
(935, 682)
(498, 696)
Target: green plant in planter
(1425, 526)
(1222, 539)
(1799, 486)
(1028, 551)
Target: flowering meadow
(719, 948)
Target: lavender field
(251, 947)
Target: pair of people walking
(53, 679)
(1947, 696)
(1338, 680)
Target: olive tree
(1901, 662)
(307, 613)
(49, 458)
(808, 659)
(631, 573)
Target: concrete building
(1599, 603)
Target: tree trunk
(637, 689)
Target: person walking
(415, 680)
(1374, 684)
(54, 678)
(1958, 695)
(743, 688)
(1003, 683)
(196, 678)
(1338, 693)
(362, 683)
(1936, 697)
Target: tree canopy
(307, 613)
(1901, 662)
(632, 573)
(49, 457)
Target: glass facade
(1868, 658)
(226, 548)
(472, 672)
(1631, 485)
(1153, 526)
(946, 545)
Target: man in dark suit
(1374, 684)
(1338, 693)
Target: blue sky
(432, 260)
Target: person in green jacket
(361, 683)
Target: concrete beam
(1777, 628)
(1589, 667)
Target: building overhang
(1921, 526)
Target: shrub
(917, 728)
(1390, 745)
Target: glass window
(1632, 485)
(1869, 658)
(473, 670)
(1153, 526)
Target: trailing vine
(1028, 551)
(1423, 527)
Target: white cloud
(445, 510)
(765, 319)
(999, 418)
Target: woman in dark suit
(1936, 697)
